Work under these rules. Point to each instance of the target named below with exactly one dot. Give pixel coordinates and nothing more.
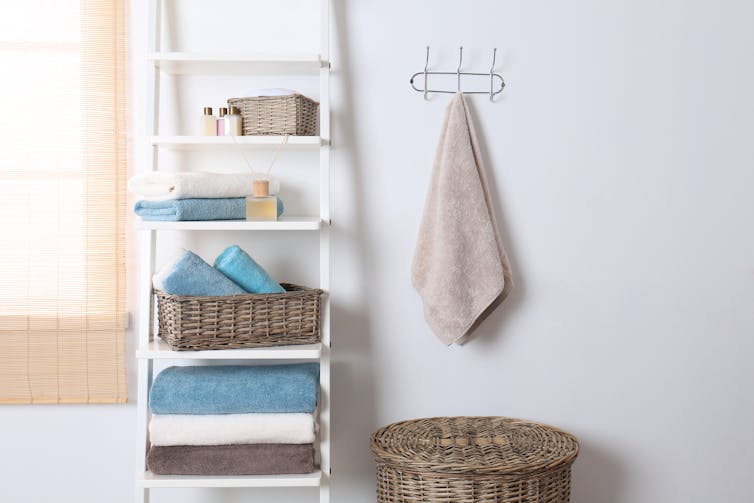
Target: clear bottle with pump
(261, 205)
(234, 122)
(222, 122)
(208, 123)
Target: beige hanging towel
(460, 267)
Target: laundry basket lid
(474, 445)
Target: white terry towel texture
(225, 429)
(163, 186)
(460, 267)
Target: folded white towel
(225, 429)
(460, 267)
(162, 186)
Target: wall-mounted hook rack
(458, 73)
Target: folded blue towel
(241, 268)
(192, 209)
(235, 389)
(187, 274)
(178, 210)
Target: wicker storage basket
(292, 114)
(473, 459)
(240, 321)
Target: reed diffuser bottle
(261, 205)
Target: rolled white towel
(226, 429)
(162, 186)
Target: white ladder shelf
(182, 63)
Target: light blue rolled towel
(180, 210)
(187, 274)
(237, 265)
(236, 389)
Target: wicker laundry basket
(473, 460)
(240, 321)
(292, 114)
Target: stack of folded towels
(234, 273)
(233, 420)
(174, 197)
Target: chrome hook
(426, 68)
(458, 72)
(492, 69)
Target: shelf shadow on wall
(354, 376)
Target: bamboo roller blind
(62, 201)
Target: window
(62, 201)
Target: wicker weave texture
(240, 321)
(293, 114)
(473, 460)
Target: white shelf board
(192, 63)
(158, 349)
(199, 142)
(284, 224)
(304, 480)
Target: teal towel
(237, 265)
(179, 210)
(235, 389)
(188, 274)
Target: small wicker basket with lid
(473, 460)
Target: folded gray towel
(244, 459)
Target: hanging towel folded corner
(460, 268)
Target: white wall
(621, 158)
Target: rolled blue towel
(237, 265)
(187, 274)
(235, 389)
(180, 210)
